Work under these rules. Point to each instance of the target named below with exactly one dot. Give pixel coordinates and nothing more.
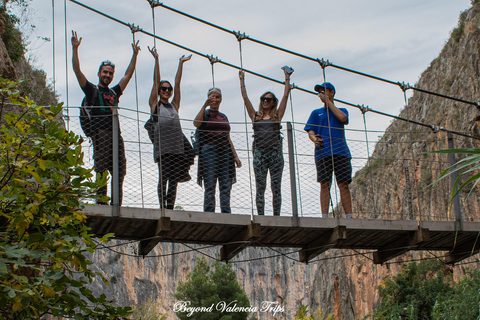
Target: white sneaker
(324, 215)
(348, 216)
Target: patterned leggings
(265, 159)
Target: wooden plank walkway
(234, 232)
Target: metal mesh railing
(395, 182)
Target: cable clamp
(477, 104)
(435, 128)
(240, 36)
(323, 63)
(293, 86)
(363, 108)
(213, 59)
(154, 3)
(134, 28)
(404, 86)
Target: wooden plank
(396, 248)
(163, 226)
(251, 233)
(322, 244)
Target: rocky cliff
(394, 185)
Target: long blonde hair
(273, 110)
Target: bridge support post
(251, 233)
(116, 170)
(293, 179)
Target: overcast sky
(395, 40)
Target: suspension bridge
(390, 230)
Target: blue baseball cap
(325, 85)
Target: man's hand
(184, 59)
(318, 141)
(136, 47)
(75, 41)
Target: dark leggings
(264, 160)
(168, 175)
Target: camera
(287, 69)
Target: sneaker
(348, 216)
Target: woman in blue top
(267, 144)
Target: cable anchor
(323, 63)
(134, 28)
(213, 59)
(404, 86)
(154, 3)
(363, 108)
(240, 36)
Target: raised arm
(286, 91)
(82, 80)
(131, 67)
(200, 118)
(178, 79)
(152, 101)
(246, 101)
(327, 98)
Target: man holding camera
(326, 129)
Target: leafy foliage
(427, 291)
(148, 311)
(412, 293)
(466, 168)
(207, 286)
(302, 314)
(43, 238)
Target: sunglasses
(266, 99)
(166, 88)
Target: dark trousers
(103, 157)
(265, 160)
(167, 175)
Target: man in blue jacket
(326, 128)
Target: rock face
(7, 69)
(396, 184)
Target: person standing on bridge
(326, 129)
(172, 151)
(267, 143)
(104, 99)
(217, 156)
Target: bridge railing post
(293, 179)
(453, 179)
(116, 170)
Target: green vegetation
(426, 290)
(12, 37)
(43, 238)
(206, 287)
(148, 311)
(302, 314)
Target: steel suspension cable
(295, 153)
(265, 77)
(396, 83)
(331, 152)
(53, 45)
(66, 63)
(246, 133)
(138, 129)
